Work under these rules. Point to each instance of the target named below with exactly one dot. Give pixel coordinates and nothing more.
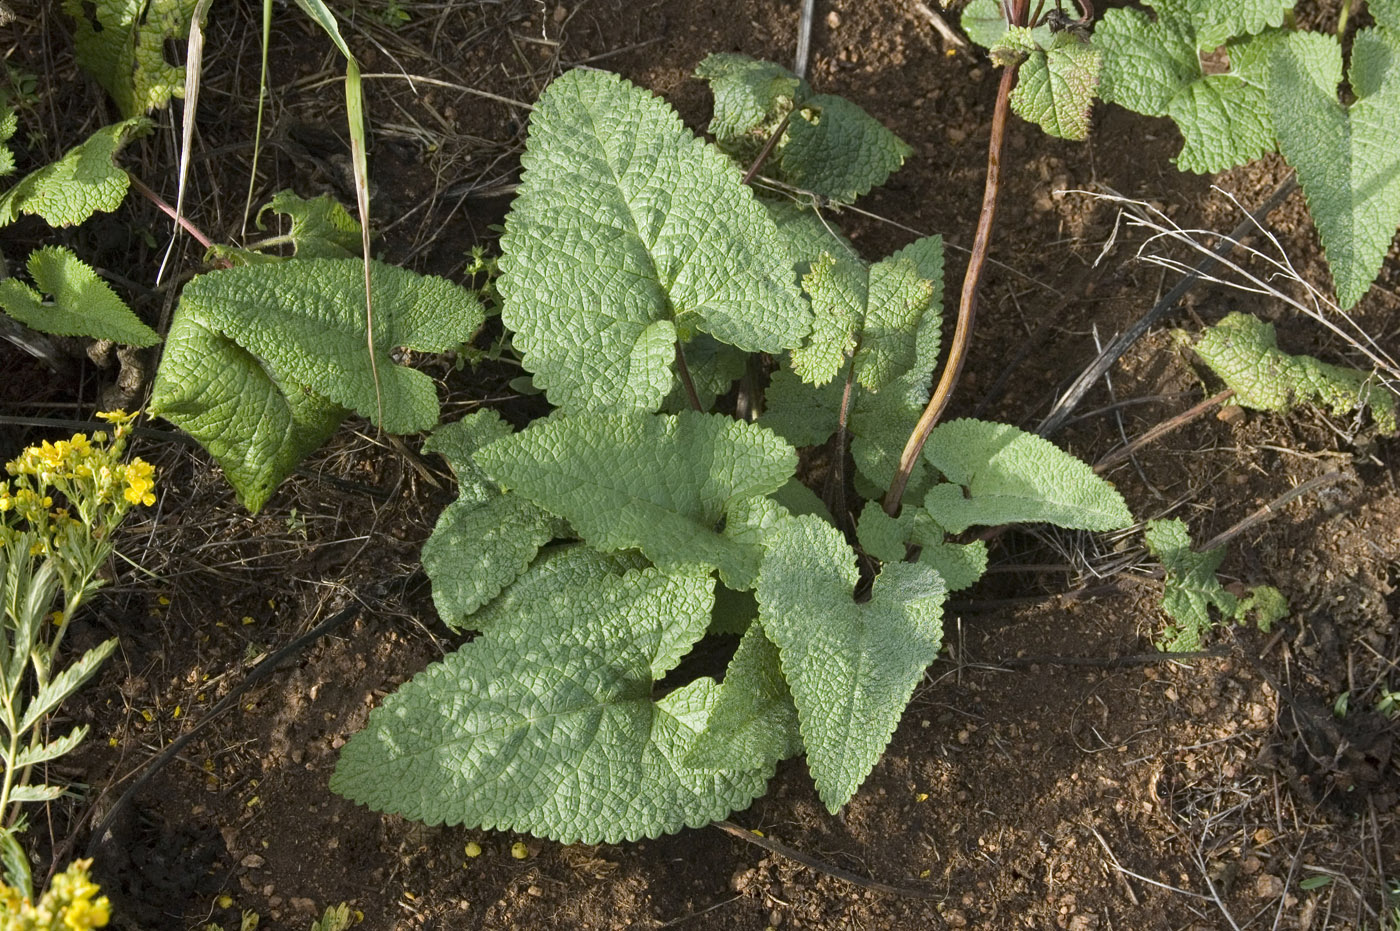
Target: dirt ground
(1053, 770)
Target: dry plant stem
(729, 827)
(1162, 429)
(169, 211)
(1273, 509)
(1115, 349)
(767, 149)
(836, 475)
(967, 309)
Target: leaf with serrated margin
(869, 313)
(1346, 158)
(255, 425)
(64, 684)
(999, 474)
(83, 182)
(484, 540)
(629, 233)
(545, 722)
(1191, 588)
(305, 319)
(122, 44)
(1055, 85)
(1243, 351)
(754, 722)
(83, 304)
(60, 746)
(1385, 12)
(851, 667)
(321, 227)
(960, 565)
(661, 484)
(837, 150)
(551, 582)
(1156, 68)
(748, 93)
(9, 122)
(806, 235)
(985, 23)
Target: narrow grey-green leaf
(60, 746)
(83, 304)
(34, 793)
(545, 723)
(661, 484)
(998, 474)
(851, 667)
(64, 684)
(628, 233)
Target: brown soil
(1051, 772)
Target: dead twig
(811, 862)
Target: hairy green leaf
(83, 182)
(870, 314)
(545, 723)
(1192, 589)
(837, 150)
(122, 44)
(9, 122)
(83, 304)
(1055, 83)
(886, 538)
(851, 667)
(748, 94)
(662, 484)
(1346, 158)
(484, 540)
(305, 320)
(1170, 66)
(629, 234)
(985, 23)
(754, 722)
(998, 474)
(256, 425)
(262, 361)
(321, 227)
(1243, 351)
(1385, 12)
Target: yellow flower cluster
(71, 903)
(88, 474)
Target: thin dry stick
(729, 827)
(940, 25)
(967, 310)
(1272, 509)
(1162, 429)
(1115, 349)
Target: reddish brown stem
(767, 149)
(967, 308)
(684, 371)
(169, 211)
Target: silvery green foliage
(629, 235)
(830, 147)
(262, 362)
(1243, 351)
(667, 527)
(83, 182)
(83, 304)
